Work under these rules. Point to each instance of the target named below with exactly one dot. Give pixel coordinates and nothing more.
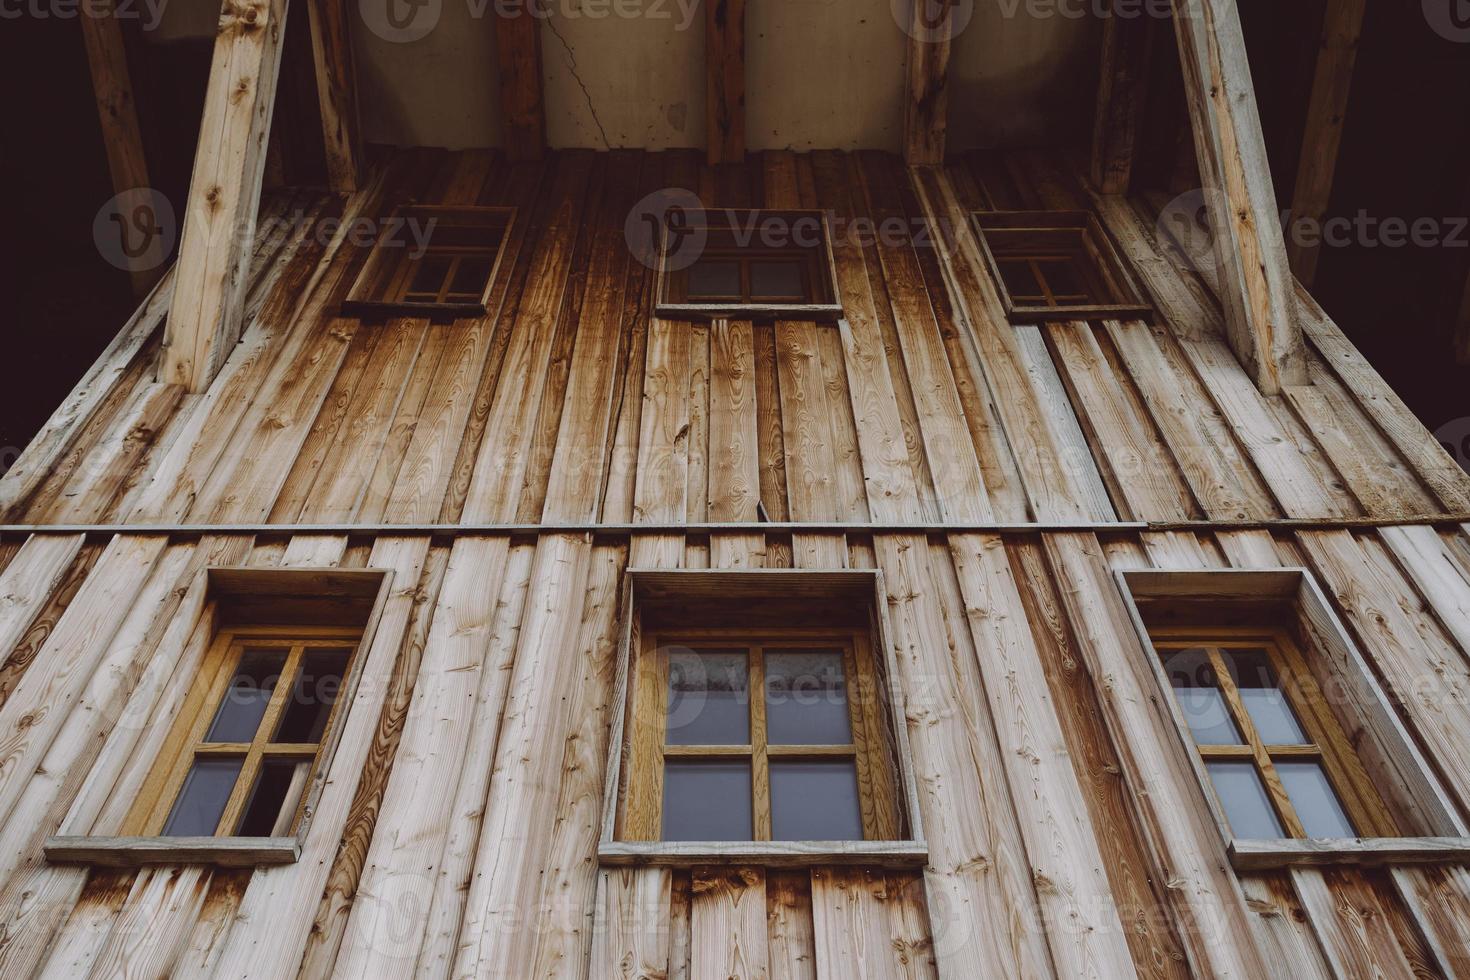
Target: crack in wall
(577, 77)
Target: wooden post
(926, 102)
(1255, 282)
(522, 99)
(1322, 135)
(224, 193)
(121, 136)
(1122, 86)
(724, 53)
(336, 88)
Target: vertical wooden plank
(1169, 808)
(728, 936)
(336, 90)
(724, 80)
(1076, 902)
(1350, 924)
(1127, 58)
(207, 313)
(1282, 928)
(1437, 900)
(790, 938)
(522, 95)
(930, 29)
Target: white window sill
(134, 852)
(770, 854)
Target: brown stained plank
(981, 899)
(930, 29)
(1136, 891)
(727, 929)
(1370, 466)
(1282, 928)
(330, 924)
(1437, 900)
(1139, 469)
(849, 483)
(1053, 489)
(522, 95)
(805, 423)
(1332, 82)
(734, 477)
(500, 469)
(35, 589)
(1352, 927)
(581, 444)
(634, 939)
(1174, 822)
(789, 931)
(773, 477)
(959, 483)
(216, 917)
(155, 922)
(891, 492)
(1053, 816)
(1127, 56)
(724, 55)
(1206, 452)
(88, 924)
(336, 89)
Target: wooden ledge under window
(1264, 855)
(136, 852)
(769, 854)
(757, 312)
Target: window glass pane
(247, 695)
(806, 698)
(272, 805)
(471, 277)
(815, 801)
(1263, 698)
(428, 275)
(1199, 697)
(713, 279)
(1020, 281)
(1243, 796)
(707, 800)
(202, 800)
(310, 702)
(709, 697)
(1062, 275)
(1314, 800)
(777, 280)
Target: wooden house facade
(495, 512)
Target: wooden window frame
(1173, 607)
(346, 605)
(379, 292)
(1039, 236)
(819, 270)
(888, 796)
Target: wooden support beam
(336, 88)
(1255, 280)
(724, 91)
(522, 94)
(926, 101)
(224, 193)
(1127, 54)
(1322, 135)
(121, 136)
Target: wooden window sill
(749, 311)
(381, 310)
(134, 852)
(1261, 855)
(770, 854)
(1057, 314)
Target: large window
(252, 732)
(758, 719)
(1278, 761)
(763, 737)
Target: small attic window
(430, 261)
(1056, 265)
(748, 264)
